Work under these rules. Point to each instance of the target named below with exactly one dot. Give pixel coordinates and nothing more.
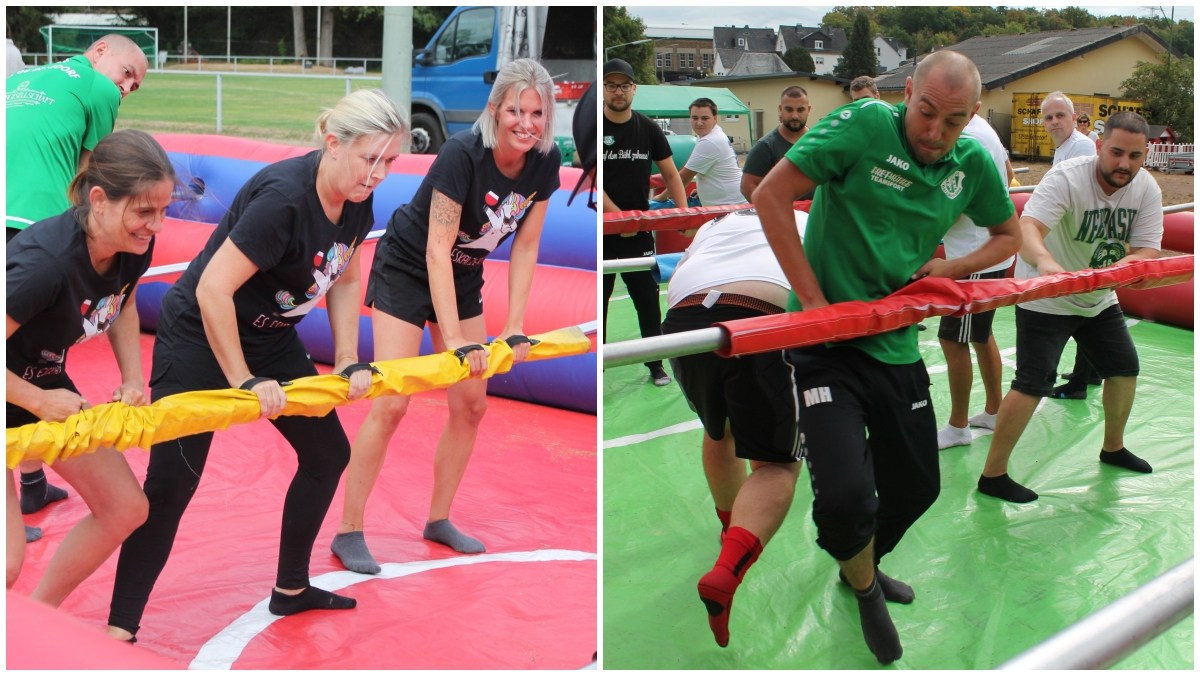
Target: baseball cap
(583, 128)
(618, 66)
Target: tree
(799, 60)
(325, 45)
(1168, 93)
(621, 28)
(298, 36)
(22, 24)
(859, 57)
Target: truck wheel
(427, 136)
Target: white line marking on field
(223, 649)
(666, 431)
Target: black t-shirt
(58, 298)
(493, 205)
(277, 221)
(630, 151)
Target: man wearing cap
(633, 143)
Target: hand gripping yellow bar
(121, 426)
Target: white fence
(249, 64)
(1157, 156)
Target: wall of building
(762, 96)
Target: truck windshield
(470, 35)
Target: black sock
(877, 626)
(1005, 488)
(1123, 458)
(36, 492)
(309, 599)
(893, 590)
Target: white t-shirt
(964, 236)
(1089, 229)
(1076, 145)
(718, 178)
(728, 249)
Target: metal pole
(218, 103)
(1107, 636)
(1187, 206)
(629, 264)
(664, 347)
(228, 33)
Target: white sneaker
(985, 420)
(953, 436)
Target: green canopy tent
(670, 101)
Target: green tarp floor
(992, 579)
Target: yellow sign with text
(1029, 137)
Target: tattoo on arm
(445, 212)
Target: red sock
(724, 517)
(739, 551)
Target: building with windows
(682, 52)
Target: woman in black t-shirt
(70, 278)
(291, 236)
(487, 184)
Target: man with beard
(1088, 212)
(794, 110)
(633, 144)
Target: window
(819, 60)
(706, 61)
(658, 59)
(667, 60)
(741, 42)
(818, 44)
(687, 60)
(469, 35)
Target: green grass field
(280, 109)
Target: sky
(759, 16)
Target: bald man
(894, 179)
(56, 114)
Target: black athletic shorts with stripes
(973, 328)
(752, 393)
(869, 435)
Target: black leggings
(322, 452)
(643, 290)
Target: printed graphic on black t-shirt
(56, 296)
(493, 205)
(277, 222)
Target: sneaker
(985, 420)
(1069, 391)
(659, 376)
(953, 436)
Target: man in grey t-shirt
(794, 110)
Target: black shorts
(1103, 339)
(639, 245)
(974, 328)
(404, 293)
(869, 434)
(15, 416)
(753, 393)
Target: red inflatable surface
(529, 602)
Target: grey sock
(351, 548)
(444, 532)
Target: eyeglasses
(625, 87)
(1079, 122)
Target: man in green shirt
(56, 114)
(890, 181)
